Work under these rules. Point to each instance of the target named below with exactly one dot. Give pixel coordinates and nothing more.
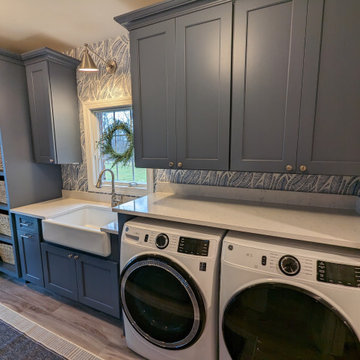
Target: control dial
(289, 265)
(162, 241)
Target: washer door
(161, 302)
(273, 321)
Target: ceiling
(63, 24)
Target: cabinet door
(203, 75)
(153, 91)
(40, 110)
(30, 257)
(329, 141)
(98, 283)
(59, 271)
(267, 69)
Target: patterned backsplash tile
(100, 85)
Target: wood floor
(96, 332)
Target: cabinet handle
(303, 168)
(26, 236)
(25, 224)
(171, 164)
(70, 256)
(288, 168)
(180, 164)
(76, 257)
(51, 160)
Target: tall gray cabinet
(290, 67)
(51, 81)
(22, 180)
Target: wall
(100, 85)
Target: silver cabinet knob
(76, 257)
(51, 160)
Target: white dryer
(169, 289)
(288, 300)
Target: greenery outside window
(129, 180)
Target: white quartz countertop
(48, 209)
(332, 227)
(112, 228)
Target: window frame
(92, 134)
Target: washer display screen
(338, 273)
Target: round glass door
(282, 322)
(162, 303)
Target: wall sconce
(87, 63)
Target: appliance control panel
(168, 241)
(341, 274)
(193, 246)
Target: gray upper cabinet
(153, 92)
(294, 91)
(203, 76)
(329, 140)
(268, 51)
(181, 74)
(51, 79)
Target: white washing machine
(169, 289)
(288, 300)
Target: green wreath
(105, 143)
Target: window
(127, 174)
(128, 179)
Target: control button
(162, 241)
(202, 266)
(146, 239)
(263, 260)
(289, 265)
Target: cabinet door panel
(40, 109)
(330, 112)
(203, 55)
(267, 66)
(59, 271)
(98, 282)
(153, 86)
(30, 256)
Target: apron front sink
(80, 229)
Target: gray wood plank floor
(96, 332)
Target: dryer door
(275, 321)
(161, 302)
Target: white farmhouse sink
(80, 229)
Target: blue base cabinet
(91, 280)
(28, 233)
(59, 271)
(98, 284)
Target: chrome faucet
(99, 184)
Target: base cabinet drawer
(30, 256)
(88, 279)
(59, 271)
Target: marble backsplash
(100, 85)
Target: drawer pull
(70, 256)
(25, 224)
(76, 257)
(26, 236)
